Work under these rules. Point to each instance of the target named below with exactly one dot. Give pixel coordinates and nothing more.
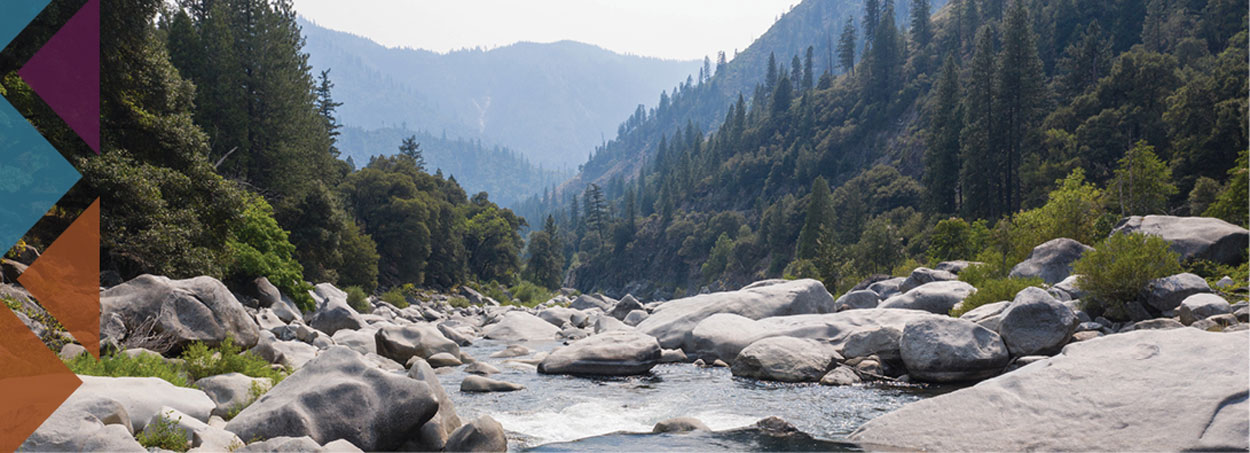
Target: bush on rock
(1117, 270)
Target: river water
(555, 410)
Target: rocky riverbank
(1050, 376)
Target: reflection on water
(555, 409)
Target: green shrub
(1212, 272)
(164, 433)
(202, 361)
(259, 247)
(801, 269)
(994, 290)
(529, 293)
(991, 266)
(396, 297)
(254, 393)
(54, 335)
(906, 267)
(121, 365)
(956, 239)
(358, 300)
(459, 302)
(1117, 270)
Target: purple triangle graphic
(66, 73)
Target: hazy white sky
(675, 29)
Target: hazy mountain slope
(551, 102)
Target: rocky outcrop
(333, 313)
(922, 275)
(1090, 397)
(400, 343)
(673, 320)
(231, 391)
(1165, 294)
(340, 395)
(723, 336)
(626, 305)
(1201, 238)
(521, 326)
(1051, 261)
(617, 353)
(785, 359)
(941, 349)
(680, 425)
(855, 300)
(1036, 324)
(86, 421)
(481, 435)
(143, 397)
(559, 316)
(432, 436)
(937, 297)
(197, 309)
(1202, 306)
(475, 383)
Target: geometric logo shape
(65, 72)
(33, 175)
(33, 381)
(65, 279)
(17, 13)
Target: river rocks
(888, 287)
(672, 356)
(589, 301)
(481, 435)
(854, 300)
(443, 360)
(201, 435)
(956, 266)
(481, 368)
(1090, 397)
(362, 341)
(940, 349)
(922, 275)
(340, 395)
(1201, 238)
(143, 397)
(680, 425)
(1036, 324)
(231, 391)
(1202, 306)
(402, 343)
(1051, 261)
(1153, 324)
(673, 320)
(521, 326)
(71, 429)
(882, 342)
(474, 383)
(607, 354)
(604, 323)
(1165, 294)
(624, 307)
(282, 444)
(196, 309)
(333, 313)
(841, 375)
(559, 316)
(461, 337)
(937, 297)
(513, 350)
(432, 436)
(725, 335)
(635, 317)
(784, 359)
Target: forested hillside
(973, 133)
(551, 102)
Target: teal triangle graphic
(15, 14)
(33, 175)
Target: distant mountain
(550, 102)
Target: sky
(670, 29)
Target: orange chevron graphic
(66, 279)
(33, 382)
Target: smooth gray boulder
(400, 343)
(333, 313)
(855, 300)
(481, 435)
(951, 350)
(589, 301)
(521, 326)
(341, 395)
(723, 336)
(202, 436)
(443, 360)
(1202, 238)
(1165, 294)
(475, 383)
(559, 316)
(672, 321)
(841, 375)
(282, 444)
(1070, 287)
(481, 368)
(785, 359)
(462, 337)
(617, 353)
(604, 323)
(922, 275)
(679, 425)
(362, 341)
(196, 309)
(955, 266)
(626, 305)
(1090, 397)
(986, 311)
(882, 342)
(68, 429)
(1051, 261)
(512, 350)
(634, 317)
(231, 391)
(937, 297)
(888, 287)
(432, 436)
(1202, 306)
(143, 397)
(1036, 324)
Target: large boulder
(1051, 261)
(1165, 294)
(481, 435)
(400, 343)
(723, 336)
(363, 341)
(941, 349)
(196, 309)
(434, 433)
(673, 320)
(616, 353)
(1202, 306)
(1036, 324)
(341, 395)
(589, 301)
(1093, 396)
(785, 359)
(143, 397)
(333, 313)
(887, 287)
(71, 429)
(922, 275)
(937, 297)
(475, 383)
(231, 391)
(1201, 238)
(853, 300)
(559, 316)
(521, 326)
(626, 305)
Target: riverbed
(555, 410)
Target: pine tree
(872, 18)
(326, 107)
(1020, 93)
(807, 69)
(770, 80)
(941, 175)
(921, 26)
(819, 218)
(1085, 61)
(796, 72)
(978, 175)
(846, 47)
(1142, 184)
(412, 149)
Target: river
(555, 410)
